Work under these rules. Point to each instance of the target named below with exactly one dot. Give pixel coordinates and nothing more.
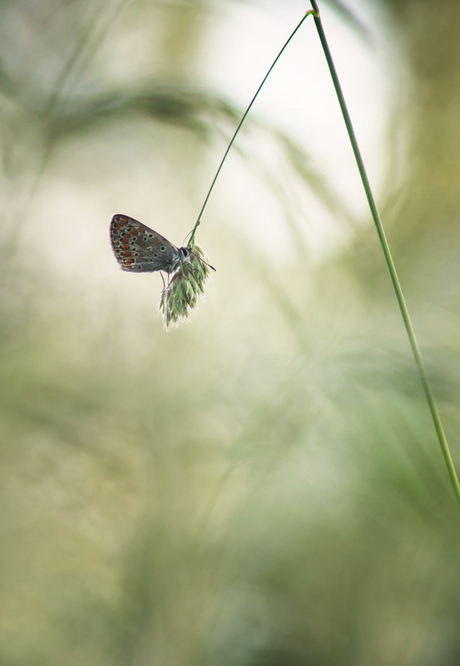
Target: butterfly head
(185, 253)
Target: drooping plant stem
(389, 260)
(193, 232)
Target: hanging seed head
(179, 297)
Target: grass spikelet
(179, 296)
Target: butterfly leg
(164, 285)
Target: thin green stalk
(389, 261)
(193, 232)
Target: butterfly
(142, 250)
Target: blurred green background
(261, 486)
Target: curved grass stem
(193, 232)
(389, 261)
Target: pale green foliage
(263, 486)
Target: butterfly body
(139, 249)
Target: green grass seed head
(179, 297)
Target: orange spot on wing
(126, 254)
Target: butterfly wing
(140, 249)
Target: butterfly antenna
(183, 242)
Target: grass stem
(389, 261)
(193, 232)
